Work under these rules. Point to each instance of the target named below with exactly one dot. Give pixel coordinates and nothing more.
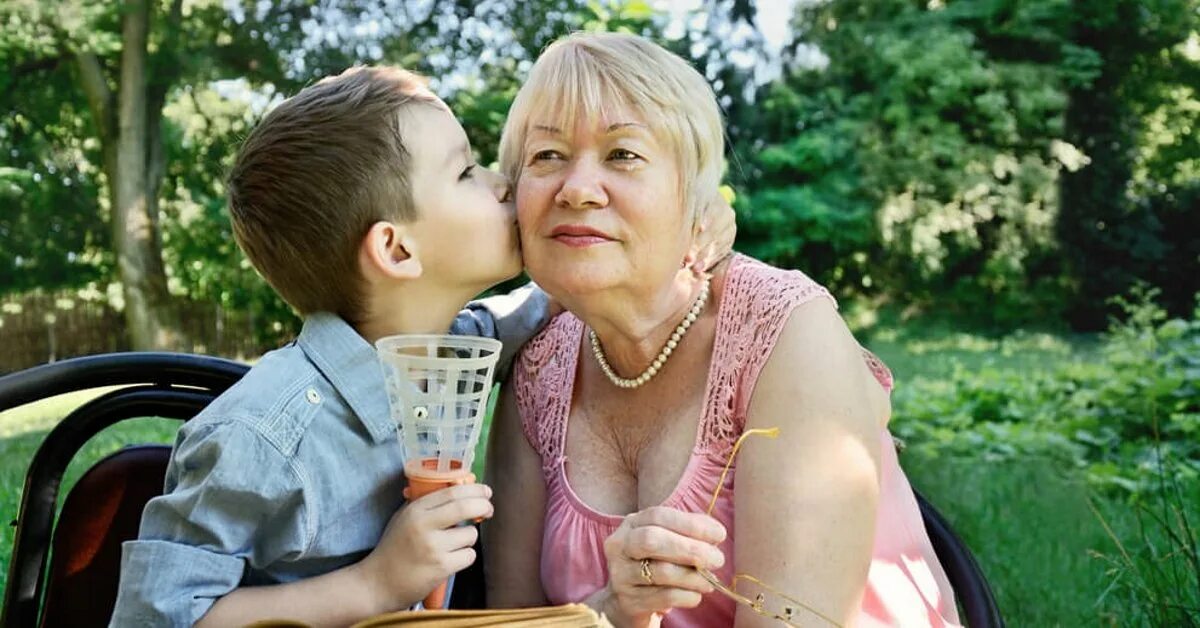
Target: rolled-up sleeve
(233, 502)
(511, 318)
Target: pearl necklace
(661, 359)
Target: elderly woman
(621, 416)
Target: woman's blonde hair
(585, 76)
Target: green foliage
(926, 153)
(1056, 552)
(1029, 527)
(807, 209)
(51, 229)
(1127, 416)
(1005, 160)
(937, 152)
(224, 64)
(1154, 574)
(1068, 464)
(1117, 213)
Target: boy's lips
(579, 236)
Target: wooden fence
(37, 328)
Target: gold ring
(647, 575)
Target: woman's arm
(512, 539)
(806, 501)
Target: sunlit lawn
(1029, 524)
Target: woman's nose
(583, 187)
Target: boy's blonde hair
(315, 174)
(585, 76)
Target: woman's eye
(621, 154)
(544, 155)
(467, 172)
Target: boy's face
(467, 225)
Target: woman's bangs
(575, 88)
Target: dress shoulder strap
(543, 377)
(755, 304)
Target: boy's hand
(424, 544)
(714, 242)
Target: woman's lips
(579, 242)
(579, 236)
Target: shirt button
(313, 396)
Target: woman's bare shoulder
(818, 363)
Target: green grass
(1036, 537)
(22, 430)
(915, 350)
(1031, 531)
(1029, 522)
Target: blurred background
(1003, 194)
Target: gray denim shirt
(291, 473)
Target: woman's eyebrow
(616, 126)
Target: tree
(125, 103)
(901, 153)
(51, 234)
(1124, 216)
(987, 157)
(115, 136)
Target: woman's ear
(714, 235)
(695, 245)
(388, 251)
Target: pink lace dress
(905, 585)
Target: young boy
(360, 203)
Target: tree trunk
(1097, 225)
(148, 314)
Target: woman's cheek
(532, 193)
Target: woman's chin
(579, 284)
(572, 272)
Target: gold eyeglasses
(768, 601)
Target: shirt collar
(349, 362)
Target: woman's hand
(714, 241)
(651, 564)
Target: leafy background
(1002, 193)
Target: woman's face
(599, 206)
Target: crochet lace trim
(755, 306)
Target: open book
(565, 616)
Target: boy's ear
(389, 251)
